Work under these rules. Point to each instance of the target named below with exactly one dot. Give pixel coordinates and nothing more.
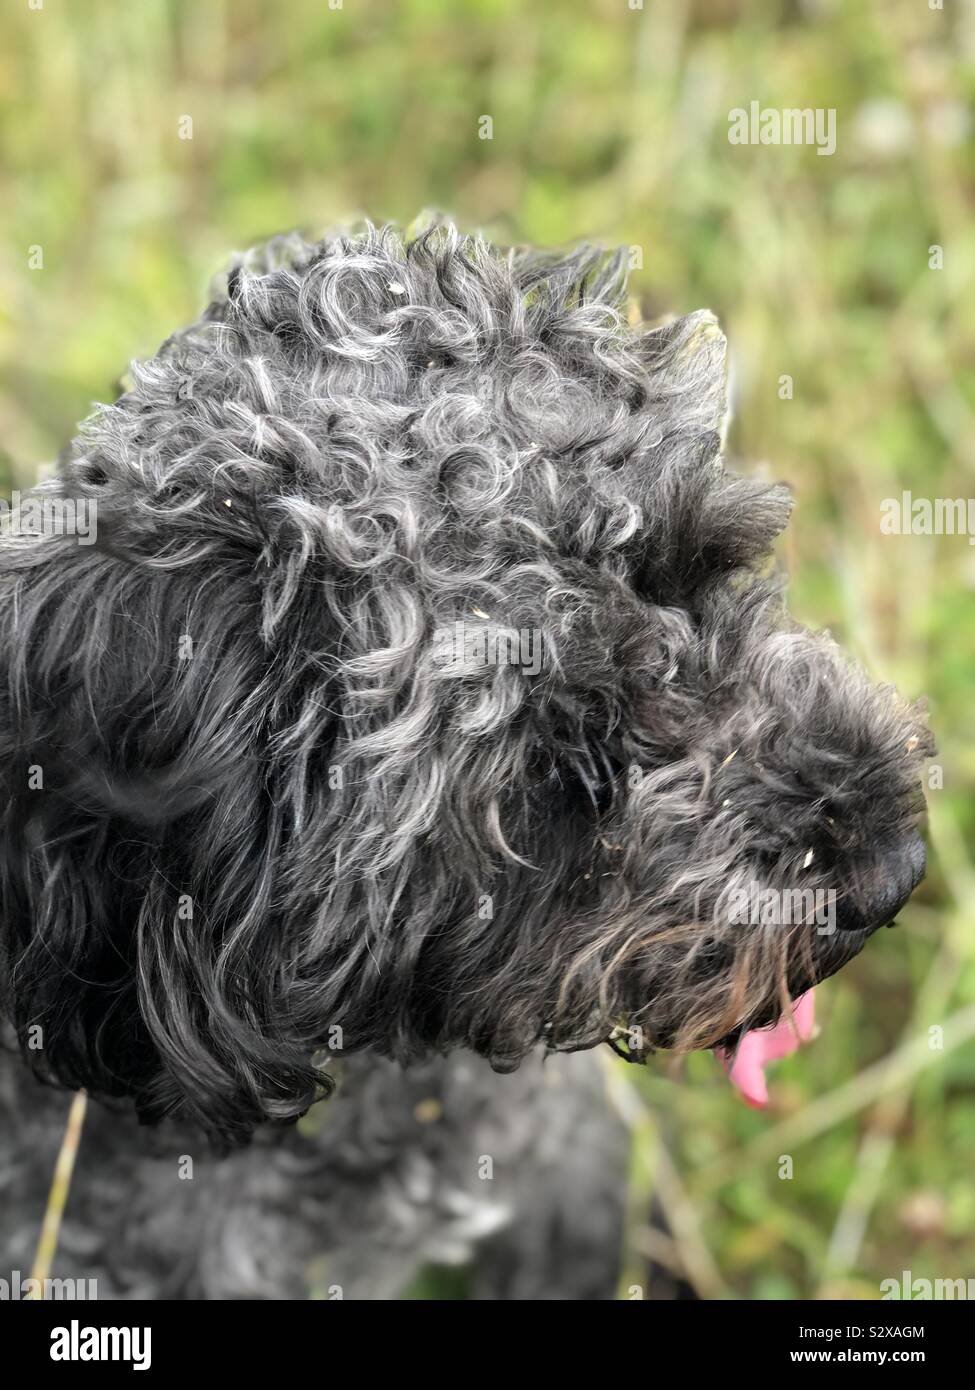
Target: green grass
(610, 123)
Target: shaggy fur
(279, 824)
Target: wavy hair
(254, 819)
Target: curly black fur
(276, 824)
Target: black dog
(420, 696)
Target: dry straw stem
(60, 1185)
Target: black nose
(886, 888)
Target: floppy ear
(67, 966)
(139, 955)
(701, 522)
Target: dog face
(421, 690)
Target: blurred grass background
(611, 122)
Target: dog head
(423, 688)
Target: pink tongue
(746, 1068)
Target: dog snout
(897, 873)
